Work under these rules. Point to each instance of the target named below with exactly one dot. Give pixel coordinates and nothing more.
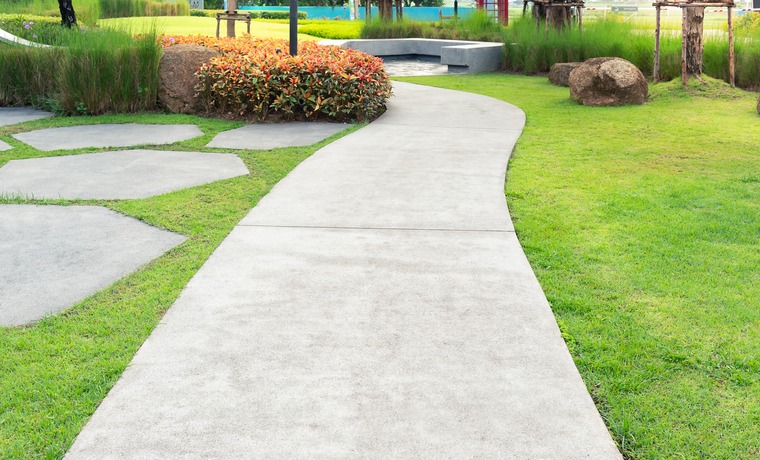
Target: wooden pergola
(686, 32)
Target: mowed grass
(53, 374)
(193, 25)
(643, 227)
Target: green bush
(89, 11)
(258, 78)
(200, 13)
(279, 14)
(87, 73)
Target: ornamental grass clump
(259, 79)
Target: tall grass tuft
(476, 26)
(88, 73)
(532, 51)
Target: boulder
(560, 73)
(176, 89)
(608, 81)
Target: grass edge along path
(645, 237)
(54, 373)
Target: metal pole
(293, 27)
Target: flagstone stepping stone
(270, 136)
(122, 174)
(14, 115)
(4, 146)
(52, 257)
(115, 135)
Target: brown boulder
(176, 90)
(608, 81)
(560, 73)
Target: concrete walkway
(376, 304)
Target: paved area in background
(406, 66)
(270, 136)
(14, 115)
(4, 146)
(367, 328)
(117, 135)
(116, 175)
(54, 256)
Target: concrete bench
(461, 56)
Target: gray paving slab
(121, 174)
(324, 340)
(15, 115)
(4, 146)
(274, 135)
(107, 135)
(52, 257)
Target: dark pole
(293, 27)
(456, 9)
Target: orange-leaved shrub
(259, 78)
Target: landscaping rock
(608, 81)
(179, 63)
(560, 73)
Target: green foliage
(644, 235)
(748, 24)
(276, 14)
(39, 29)
(259, 78)
(331, 29)
(200, 13)
(89, 11)
(88, 72)
(213, 4)
(532, 52)
(476, 26)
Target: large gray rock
(176, 72)
(560, 73)
(608, 81)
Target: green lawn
(54, 374)
(643, 226)
(192, 25)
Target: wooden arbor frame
(695, 4)
(550, 5)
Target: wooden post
(731, 57)
(231, 9)
(656, 71)
(684, 27)
(580, 19)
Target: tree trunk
(556, 17)
(231, 8)
(68, 16)
(399, 10)
(693, 47)
(385, 8)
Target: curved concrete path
(376, 304)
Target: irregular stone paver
(4, 146)
(310, 338)
(121, 135)
(51, 257)
(270, 136)
(116, 175)
(14, 115)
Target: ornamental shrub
(259, 79)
